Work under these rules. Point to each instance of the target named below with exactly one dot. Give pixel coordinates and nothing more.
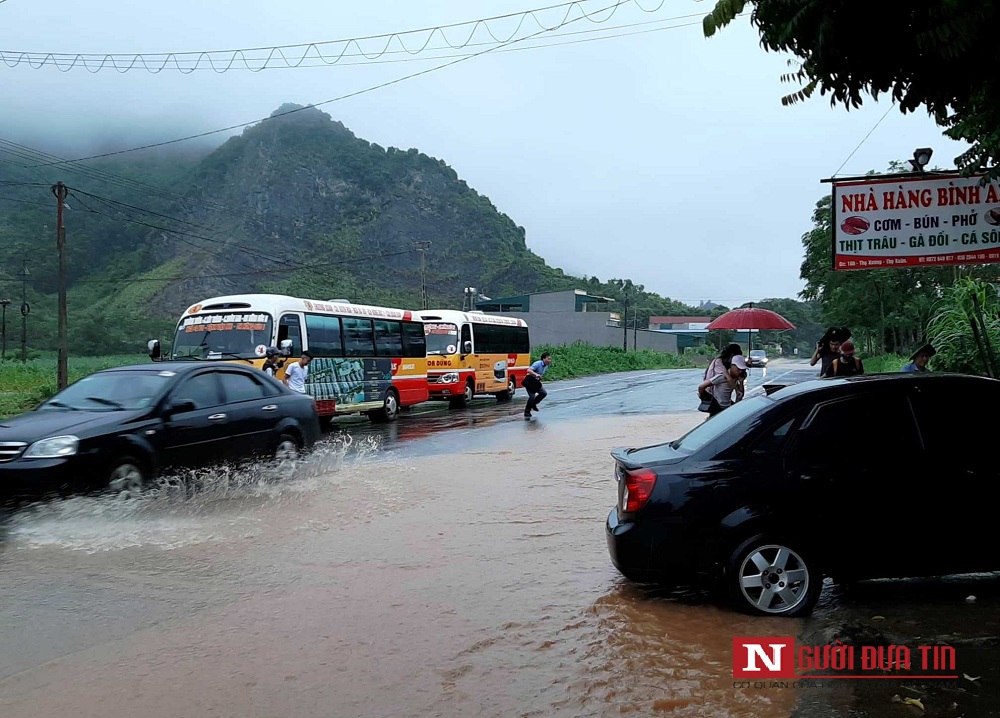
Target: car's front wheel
(126, 475)
(769, 577)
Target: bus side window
(290, 328)
(414, 340)
(466, 337)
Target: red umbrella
(751, 318)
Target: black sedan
(880, 476)
(117, 429)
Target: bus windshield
(219, 336)
(441, 338)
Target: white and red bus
(471, 353)
(366, 359)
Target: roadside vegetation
(25, 385)
(577, 360)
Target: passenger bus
(470, 353)
(366, 359)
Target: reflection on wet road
(458, 572)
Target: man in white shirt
(297, 373)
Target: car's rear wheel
(768, 577)
(288, 448)
(126, 475)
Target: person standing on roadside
(297, 373)
(270, 366)
(723, 386)
(827, 349)
(846, 364)
(919, 359)
(533, 383)
(721, 365)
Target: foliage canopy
(936, 54)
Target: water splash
(189, 508)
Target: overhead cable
(339, 98)
(221, 61)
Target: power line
(189, 61)
(865, 139)
(349, 95)
(221, 275)
(182, 233)
(26, 201)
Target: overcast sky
(663, 156)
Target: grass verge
(24, 385)
(577, 360)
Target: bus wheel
(509, 394)
(458, 402)
(389, 410)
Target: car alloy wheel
(769, 578)
(288, 448)
(126, 476)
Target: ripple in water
(187, 508)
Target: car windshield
(441, 338)
(111, 391)
(720, 424)
(758, 353)
(218, 336)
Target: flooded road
(458, 573)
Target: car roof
(178, 367)
(851, 384)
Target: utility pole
(422, 247)
(625, 323)
(24, 311)
(4, 303)
(60, 191)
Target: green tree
(935, 54)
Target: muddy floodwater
(370, 583)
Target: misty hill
(297, 204)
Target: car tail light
(639, 485)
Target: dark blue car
(882, 476)
(118, 428)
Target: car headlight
(54, 447)
(449, 378)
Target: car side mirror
(181, 406)
(286, 347)
(153, 346)
(467, 348)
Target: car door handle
(217, 417)
(270, 407)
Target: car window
(240, 387)
(202, 389)
(719, 424)
(772, 441)
(936, 408)
(858, 428)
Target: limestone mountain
(295, 204)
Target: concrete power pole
(422, 247)
(625, 324)
(60, 191)
(24, 311)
